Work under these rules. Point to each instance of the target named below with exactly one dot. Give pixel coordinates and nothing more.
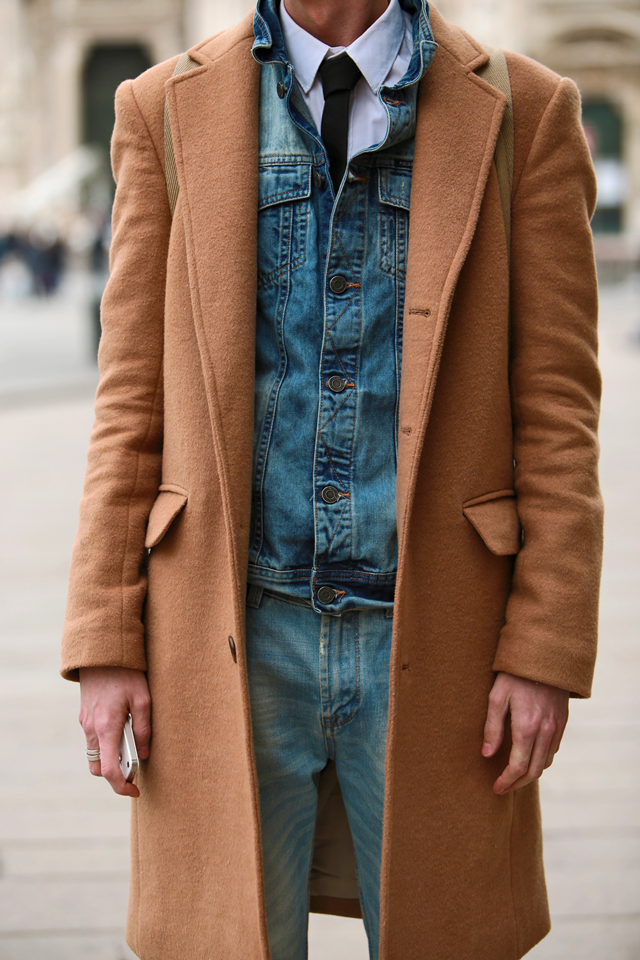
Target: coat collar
(213, 111)
(214, 118)
(459, 119)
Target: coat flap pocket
(283, 182)
(168, 505)
(394, 184)
(495, 517)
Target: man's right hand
(107, 696)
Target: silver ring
(93, 754)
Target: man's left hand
(539, 715)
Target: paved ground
(63, 835)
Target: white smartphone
(128, 752)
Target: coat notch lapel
(459, 118)
(214, 120)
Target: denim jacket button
(330, 495)
(337, 384)
(327, 594)
(281, 89)
(338, 284)
(318, 179)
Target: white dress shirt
(382, 53)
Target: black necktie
(339, 76)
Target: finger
(556, 740)
(539, 755)
(517, 768)
(494, 726)
(141, 722)
(93, 744)
(110, 760)
(524, 735)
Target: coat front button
(330, 495)
(318, 179)
(338, 284)
(327, 594)
(337, 384)
(281, 90)
(232, 647)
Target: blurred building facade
(61, 61)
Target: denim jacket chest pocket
(394, 189)
(283, 218)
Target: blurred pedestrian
(44, 253)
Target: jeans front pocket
(283, 218)
(394, 184)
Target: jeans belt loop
(254, 595)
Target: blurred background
(63, 835)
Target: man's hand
(539, 714)
(107, 696)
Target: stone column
(630, 98)
(204, 17)
(499, 23)
(13, 94)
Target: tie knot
(339, 74)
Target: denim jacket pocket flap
(169, 502)
(495, 517)
(394, 185)
(283, 182)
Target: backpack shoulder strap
(173, 188)
(496, 72)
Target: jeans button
(337, 384)
(338, 284)
(327, 594)
(318, 179)
(330, 495)
(281, 90)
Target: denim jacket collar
(269, 46)
(374, 52)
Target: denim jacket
(331, 281)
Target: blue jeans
(319, 688)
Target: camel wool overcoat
(498, 507)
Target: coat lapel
(214, 121)
(459, 118)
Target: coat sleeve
(550, 632)
(103, 624)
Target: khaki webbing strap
(173, 188)
(496, 72)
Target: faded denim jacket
(331, 284)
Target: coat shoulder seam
(534, 139)
(146, 126)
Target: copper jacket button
(337, 384)
(330, 495)
(327, 594)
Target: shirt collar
(268, 46)
(305, 51)
(374, 52)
